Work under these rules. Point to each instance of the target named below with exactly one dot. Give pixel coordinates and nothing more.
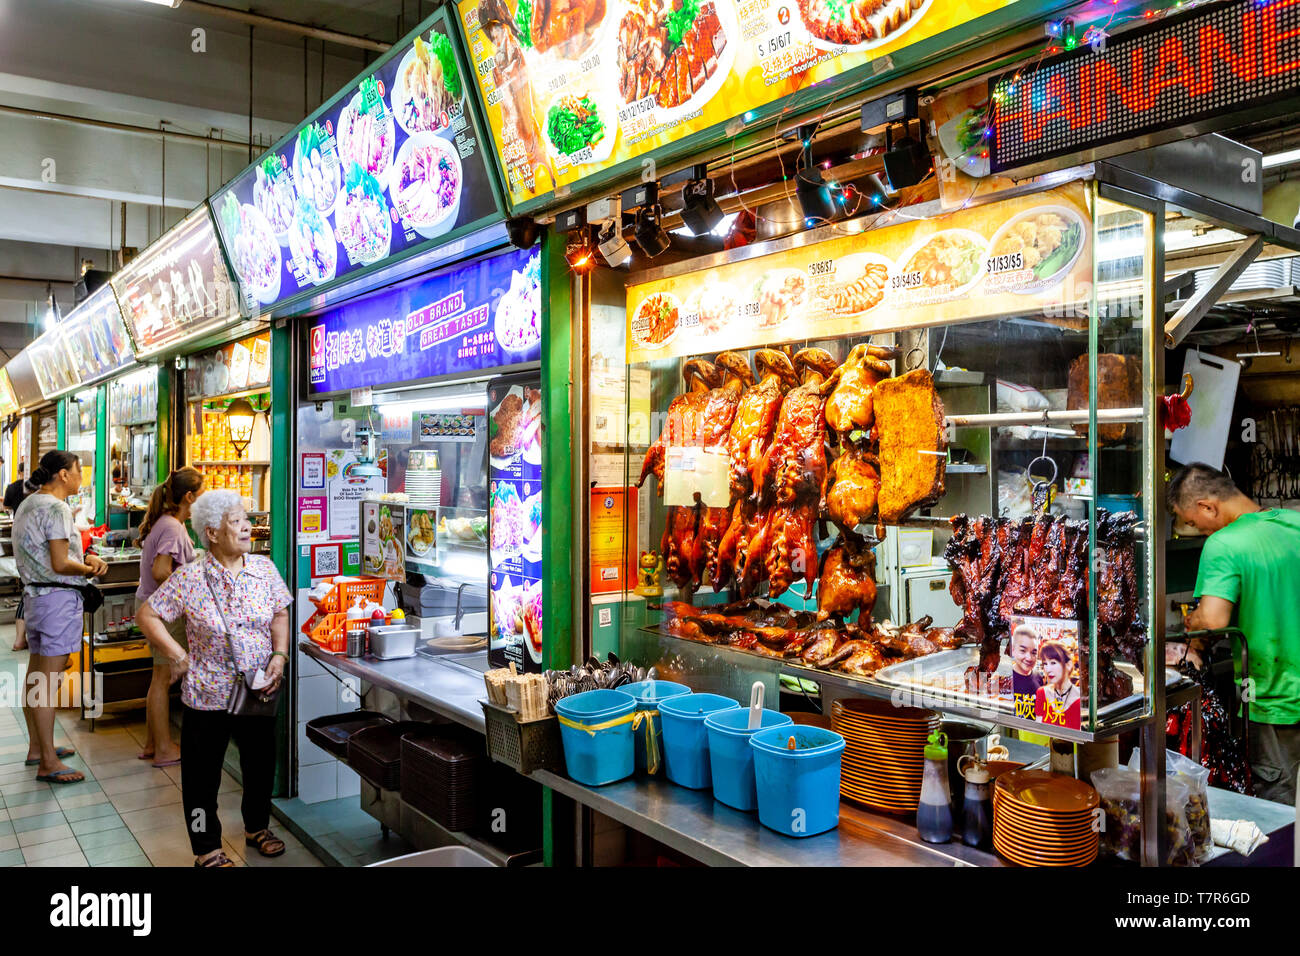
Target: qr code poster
(326, 560)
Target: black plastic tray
(331, 733)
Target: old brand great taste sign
(1207, 67)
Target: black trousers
(205, 735)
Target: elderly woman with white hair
(230, 599)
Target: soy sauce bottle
(934, 815)
(977, 809)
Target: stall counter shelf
(444, 685)
(693, 823)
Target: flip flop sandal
(267, 843)
(167, 763)
(219, 860)
(61, 776)
(60, 752)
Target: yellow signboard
(571, 93)
(8, 402)
(1031, 254)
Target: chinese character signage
(568, 96)
(391, 162)
(97, 337)
(481, 316)
(178, 288)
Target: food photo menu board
(1031, 254)
(393, 161)
(515, 522)
(52, 363)
(97, 338)
(485, 315)
(177, 288)
(572, 89)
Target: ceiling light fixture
(165, 3)
(816, 201)
(611, 243)
(1282, 159)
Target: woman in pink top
(167, 546)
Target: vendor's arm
(1213, 614)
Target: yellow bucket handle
(636, 718)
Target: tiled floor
(125, 813)
(342, 832)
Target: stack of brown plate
(884, 752)
(1044, 819)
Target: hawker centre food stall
(910, 422)
(420, 447)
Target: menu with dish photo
(1045, 672)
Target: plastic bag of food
(1120, 790)
(1013, 397)
(1197, 809)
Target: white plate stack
(424, 488)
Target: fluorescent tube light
(1282, 159)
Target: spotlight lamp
(700, 211)
(650, 236)
(578, 253)
(611, 243)
(523, 231)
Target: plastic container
(648, 694)
(597, 755)
(799, 789)
(686, 739)
(731, 759)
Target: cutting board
(1213, 397)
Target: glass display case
(133, 446)
(82, 423)
(904, 457)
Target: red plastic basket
(344, 595)
(330, 631)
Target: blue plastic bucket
(798, 790)
(597, 756)
(648, 694)
(731, 759)
(686, 739)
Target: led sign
(1205, 68)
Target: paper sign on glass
(696, 471)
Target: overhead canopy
(27, 390)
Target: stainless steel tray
(924, 675)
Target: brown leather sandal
(266, 842)
(219, 859)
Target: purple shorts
(54, 622)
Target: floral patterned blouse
(250, 598)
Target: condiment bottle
(977, 809)
(934, 815)
(357, 619)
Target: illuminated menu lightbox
(1205, 67)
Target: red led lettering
(1172, 68)
(1059, 91)
(1273, 39)
(1106, 82)
(1214, 49)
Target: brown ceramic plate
(1049, 792)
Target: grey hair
(210, 509)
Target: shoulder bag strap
(225, 625)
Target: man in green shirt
(1250, 573)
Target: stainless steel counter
(444, 685)
(695, 824)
